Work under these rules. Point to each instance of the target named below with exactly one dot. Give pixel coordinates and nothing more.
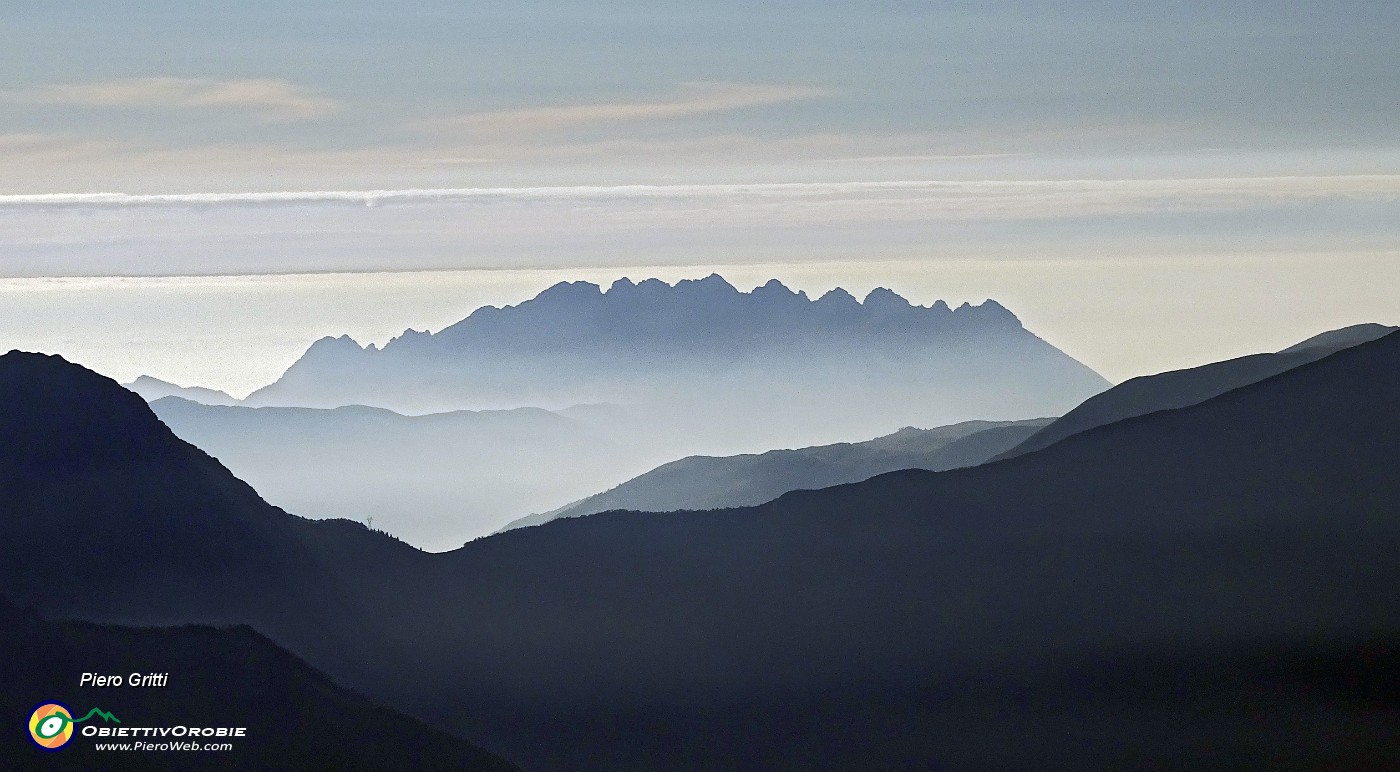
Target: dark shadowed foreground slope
(294, 717)
(109, 517)
(1182, 388)
(710, 482)
(1215, 586)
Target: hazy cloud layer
(983, 199)
(692, 99)
(268, 99)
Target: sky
(1147, 184)
(173, 96)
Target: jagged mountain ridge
(744, 371)
(708, 315)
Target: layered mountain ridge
(708, 482)
(153, 389)
(1147, 581)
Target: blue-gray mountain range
(722, 370)
(153, 389)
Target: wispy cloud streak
(269, 99)
(693, 99)
(975, 198)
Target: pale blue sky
(214, 95)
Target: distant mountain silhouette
(1182, 388)
(152, 389)
(434, 480)
(1214, 586)
(739, 370)
(707, 482)
(295, 717)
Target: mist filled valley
(585, 389)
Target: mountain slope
(152, 389)
(1181, 388)
(1342, 337)
(737, 370)
(295, 717)
(435, 480)
(1212, 586)
(705, 482)
(1172, 540)
(109, 517)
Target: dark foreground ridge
(295, 717)
(1214, 586)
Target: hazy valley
(742, 373)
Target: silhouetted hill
(1342, 337)
(738, 370)
(295, 717)
(152, 389)
(1181, 388)
(707, 482)
(1213, 586)
(434, 480)
(110, 517)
